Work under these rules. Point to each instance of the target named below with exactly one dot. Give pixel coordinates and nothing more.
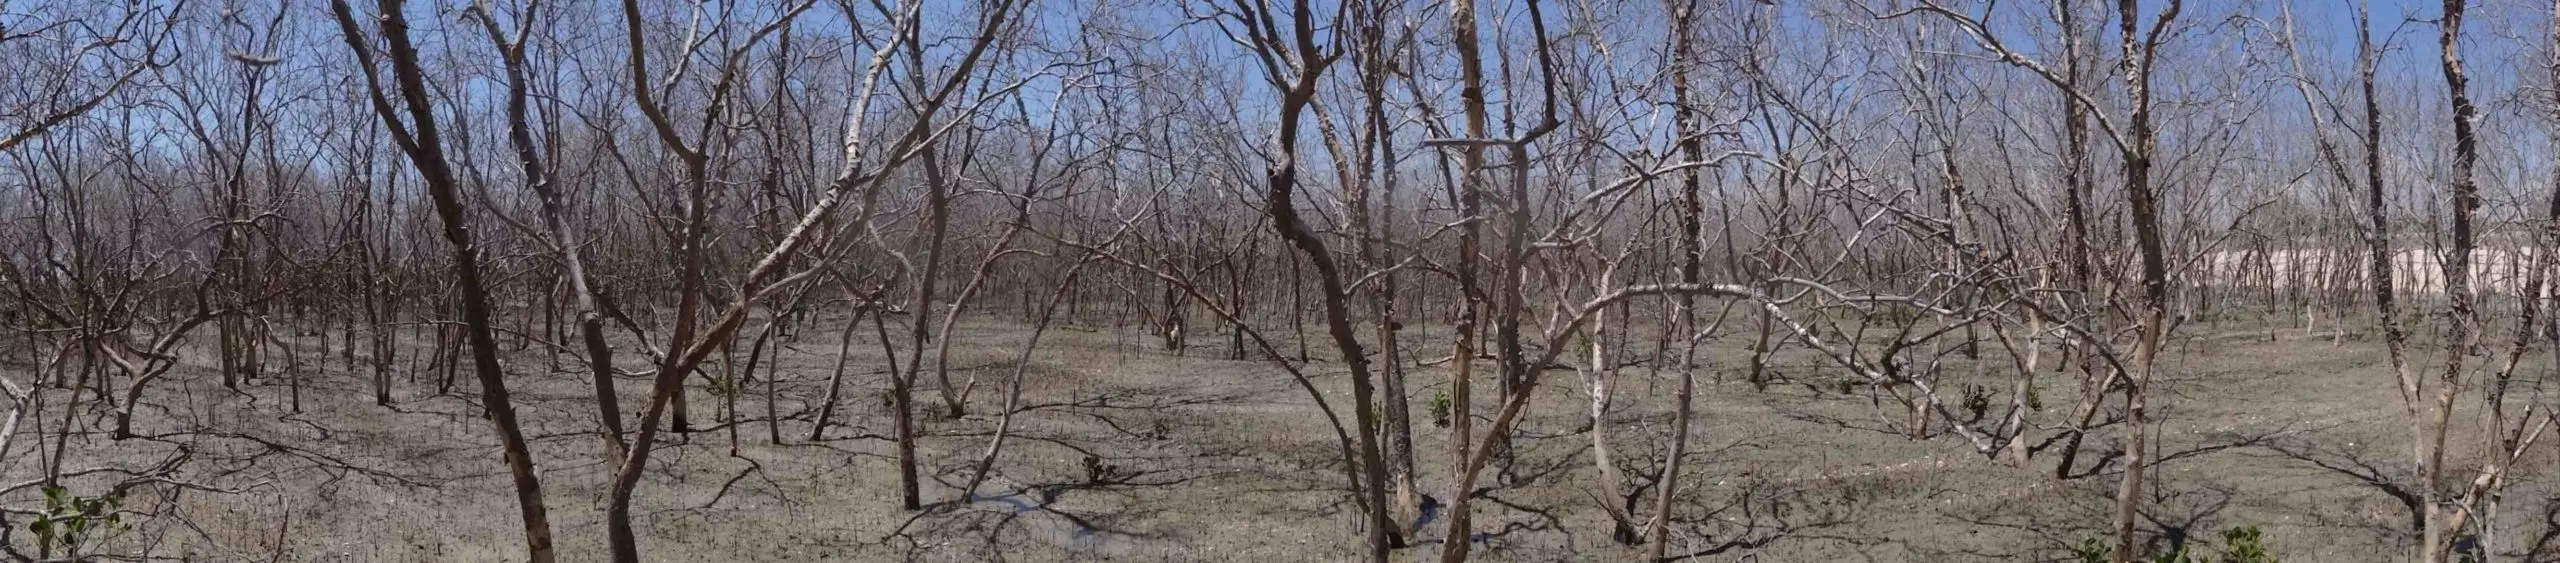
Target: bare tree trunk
(1519, 374)
(377, 305)
(2381, 272)
(1294, 63)
(1013, 384)
(2538, 260)
(1601, 380)
(835, 382)
(2461, 319)
(937, 225)
(1692, 258)
(565, 242)
(2077, 252)
(977, 281)
(2138, 54)
(1455, 543)
(902, 397)
(426, 152)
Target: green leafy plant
(2240, 544)
(2245, 544)
(2090, 550)
(1440, 409)
(74, 524)
(2183, 554)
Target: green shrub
(1440, 409)
(2245, 544)
(2090, 550)
(2240, 544)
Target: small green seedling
(1440, 409)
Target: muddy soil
(1126, 452)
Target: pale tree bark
(2461, 319)
(1600, 378)
(1685, 122)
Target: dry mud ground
(1224, 460)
